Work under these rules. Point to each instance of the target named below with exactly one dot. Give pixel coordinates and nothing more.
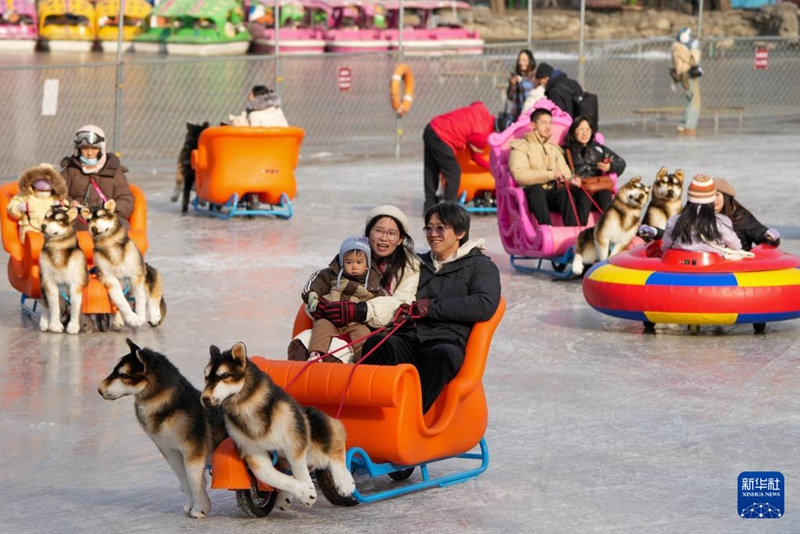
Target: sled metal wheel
(401, 475)
(760, 328)
(256, 503)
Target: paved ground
(593, 426)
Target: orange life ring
(401, 102)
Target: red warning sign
(762, 56)
(345, 79)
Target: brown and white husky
(617, 225)
(118, 262)
(666, 200)
(261, 417)
(61, 263)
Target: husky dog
(261, 417)
(184, 175)
(118, 260)
(617, 225)
(62, 262)
(169, 410)
(666, 201)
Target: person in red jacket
(446, 134)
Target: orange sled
(23, 263)
(477, 184)
(237, 169)
(382, 412)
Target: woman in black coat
(586, 157)
(749, 230)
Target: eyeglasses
(88, 139)
(388, 234)
(438, 230)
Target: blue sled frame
(358, 462)
(473, 207)
(562, 265)
(232, 209)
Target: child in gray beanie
(346, 278)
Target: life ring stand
(402, 77)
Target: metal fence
(160, 95)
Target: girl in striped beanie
(697, 227)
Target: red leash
(396, 325)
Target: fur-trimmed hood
(43, 171)
(269, 100)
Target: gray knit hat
(354, 243)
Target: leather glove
(312, 299)
(772, 235)
(647, 231)
(412, 312)
(343, 313)
(419, 309)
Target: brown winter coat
(323, 283)
(110, 179)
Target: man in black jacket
(558, 87)
(458, 287)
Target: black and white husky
(261, 417)
(170, 412)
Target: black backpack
(586, 104)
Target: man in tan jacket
(539, 167)
(685, 55)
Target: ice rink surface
(593, 426)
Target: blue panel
(766, 317)
(623, 314)
(751, 4)
(692, 280)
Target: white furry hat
(394, 212)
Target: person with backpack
(567, 93)
(686, 71)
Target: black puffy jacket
(586, 157)
(562, 90)
(462, 293)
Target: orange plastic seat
(382, 409)
(475, 179)
(231, 162)
(23, 263)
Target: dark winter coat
(750, 230)
(110, 179)
(586, 157)
(562, 90)
(463, 292)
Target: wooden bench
(716, 112)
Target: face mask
(88, 161)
